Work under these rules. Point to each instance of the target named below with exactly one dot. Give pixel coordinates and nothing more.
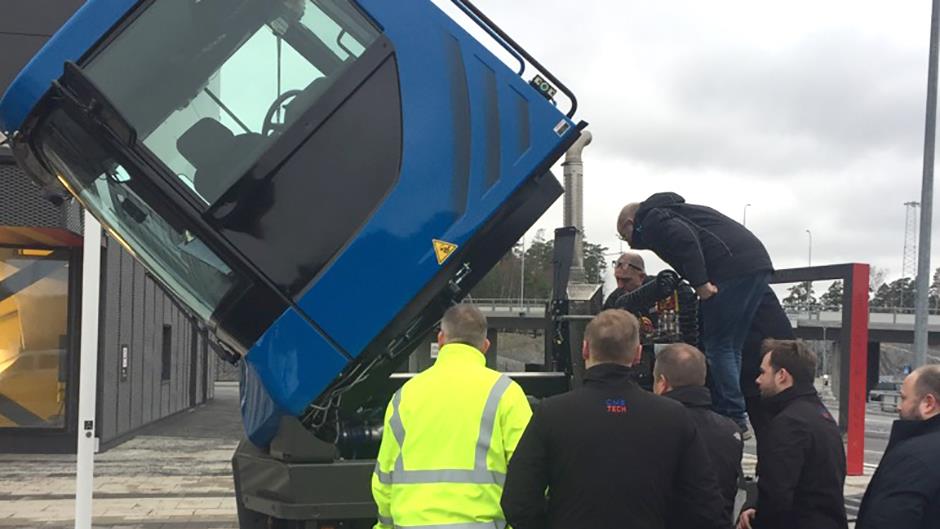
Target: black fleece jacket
(611, 455)
(700, 243)
(905, 490)
(802, 465)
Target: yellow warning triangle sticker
(443, 250)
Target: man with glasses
(629, 271)
(728, 267)
(666, 308)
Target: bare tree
(876, 278)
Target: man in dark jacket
(905, 490)
(610, 454)
(770, 321)
(801, 462)
(725, 263)
(680, 375)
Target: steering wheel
(269, 127)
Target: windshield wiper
(92, 104)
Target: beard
(914, 415)
(767, 391)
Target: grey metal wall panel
(138, 346)
(24, 28)
(188, 373)
(22, 202)
(203, 368)
(197, 362)
(165, 387)
(125, 335)
(150, 352)
(156, 396)
(40, 17)
(109, 336)
(156, 316)
(174, 339)
(213, 374)
(75, 217)
(179, 354)
(17, 51)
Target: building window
(167, 353)
(34, 313)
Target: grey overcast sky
(812, 112)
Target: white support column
(88, 380)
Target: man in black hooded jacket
(905, 490)
(725, 263)
(801, 459)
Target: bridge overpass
(884, 325)
(895, 326)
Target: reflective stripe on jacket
(449, 433)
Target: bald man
(725, 263)
(629, 271)
(680, 375)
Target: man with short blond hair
(448, 435)
(609, 453)
(905, 490)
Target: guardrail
(526, 306)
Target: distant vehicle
(877, 393)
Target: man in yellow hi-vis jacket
(449, 433)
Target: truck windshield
(195, 274)
(208, 84)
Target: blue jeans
(726, 318)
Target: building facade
(154, 357)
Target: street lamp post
(810, 259)
(744, 220)
(926, 195)
(522, 279)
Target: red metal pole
(858, 367)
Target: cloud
(811, 112)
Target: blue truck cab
(316, 179)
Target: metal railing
(893, 315)
(525, 306)
(810, 312)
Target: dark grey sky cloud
(826, 101)
(811, 112)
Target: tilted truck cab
(317, 179)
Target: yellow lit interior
(33, 324)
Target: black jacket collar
(692, 396)
(781, 400)
(903, 430)
(608, 374)
(657, 200)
